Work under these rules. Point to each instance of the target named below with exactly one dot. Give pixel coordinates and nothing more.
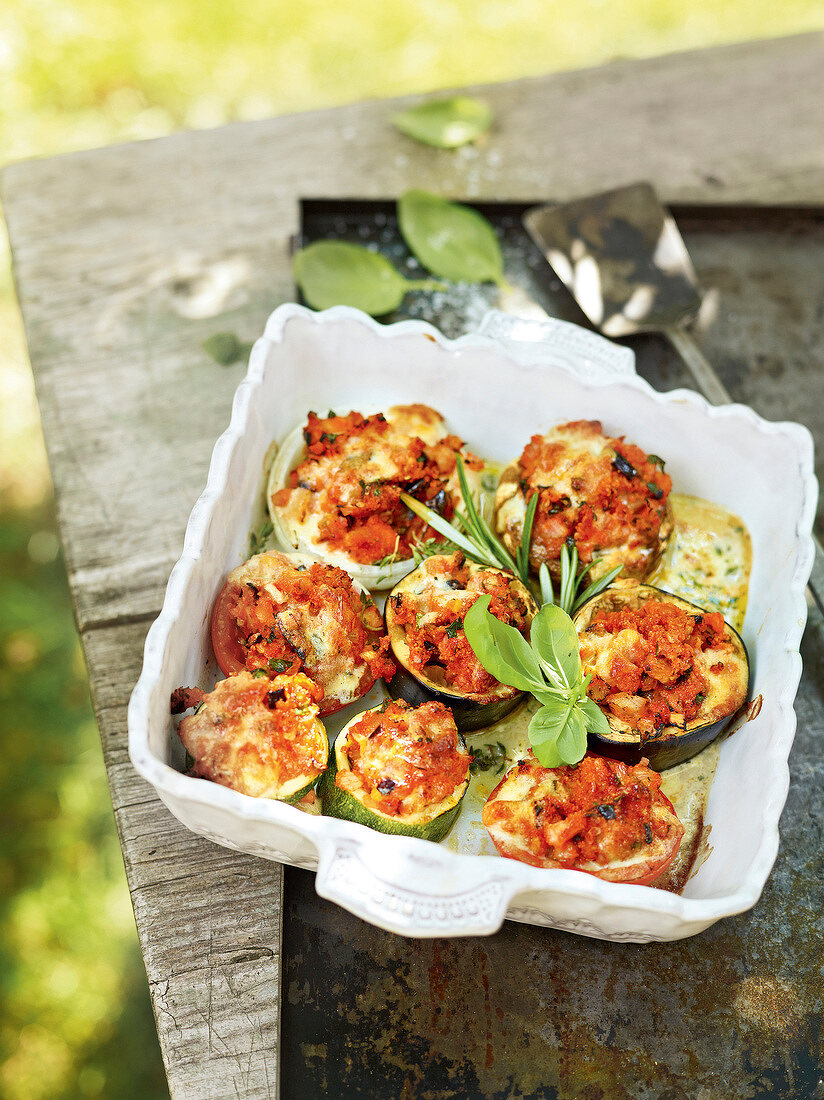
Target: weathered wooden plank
(209, 919)
(189, 234)
(126, 258)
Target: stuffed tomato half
(289, 613)
(259, 736)
(424, 620)
(667, 675)
(335, 488)
(398, 769)
(599, 816)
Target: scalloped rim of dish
(517, 878)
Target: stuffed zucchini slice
(424, 619)
(398, 769)
(603, 494)
(668, 675)
(289, 613)
(335, 486)
(259, 736)
(599, 816)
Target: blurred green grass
(80, 73)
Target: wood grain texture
(209, 919)
(126, 258)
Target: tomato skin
(601, 817)
(359, 646)
(229, 653)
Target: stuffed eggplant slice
(424, 620)
(668, 675)
(259, 736)
(603, 494)
(599, 816)
(334, 489)
(398, 769)
(289, 613)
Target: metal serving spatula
(621, 256)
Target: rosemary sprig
(479, 543)
(570, 598)
(476, 538)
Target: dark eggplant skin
(470, 711)
(672, 745)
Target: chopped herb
(656, 491)
(656, 461)
(607, 811)
(259, 673)
(385, 786)
(488, 757)
(277, 664)
(624, 466)
(259, 539)
(647, 833)
(454, 627)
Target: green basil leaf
(572, 742)
(338, 273)
(225, 348)
(501, 649)
(555, 638)
(445, 123)
(557, 735)
(452, 241)
(594, 717)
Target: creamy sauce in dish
(708, 560)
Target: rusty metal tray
(735, 1011)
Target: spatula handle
(705, 376)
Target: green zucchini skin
(471, 712)
(343, 804)
(673, 745)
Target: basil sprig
(549, 667)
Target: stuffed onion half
(335, 488)
(599, 816)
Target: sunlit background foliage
(79, 73)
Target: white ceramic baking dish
(495, 398)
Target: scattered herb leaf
(452, 241)
(259, 539)
(445, 123)
(486, 758)
(339, 273)
(225, 348)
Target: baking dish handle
(446, 901)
